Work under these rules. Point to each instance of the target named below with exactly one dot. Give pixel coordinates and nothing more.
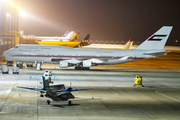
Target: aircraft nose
(5, 54)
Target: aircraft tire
(70, 103)
(78, 68)
(48, 102)
(85, 68)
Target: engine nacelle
(63, 64)
(87, 63)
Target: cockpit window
(16, 47)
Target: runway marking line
(167, 96)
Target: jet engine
(63, 64)
(87, 63)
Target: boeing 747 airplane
(85, 58)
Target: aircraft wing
(124, 58)
(40, 76)
(39, 98)
(81, 99)
(35, 89)
(71, 90)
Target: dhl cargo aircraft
(73, 41)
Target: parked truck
(9, 62)
(19, 64)
(15, 70)
(5, 70)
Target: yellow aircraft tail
(85, 41)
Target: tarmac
(113, 86)
(158, 100)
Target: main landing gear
(48, 102)
(70, 103)
(38, 65)
(81, 68)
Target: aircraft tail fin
(70, 35)
(66, 33)
(157, 40)
(75, 37)
(128, 44)
(85, 41)
(46, 85)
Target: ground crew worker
(138, 80)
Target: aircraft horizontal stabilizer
(81, 99)
(35, 89)
(40, 76)
(40, 98)
(157, 53)
(70, 90)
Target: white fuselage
(54, 54)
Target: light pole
(7, 16)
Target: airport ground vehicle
(15, 70)
(5, 70)
(9, 62)
(138, 80)
(19, 64)
(29, 64)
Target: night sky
(103, 19)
